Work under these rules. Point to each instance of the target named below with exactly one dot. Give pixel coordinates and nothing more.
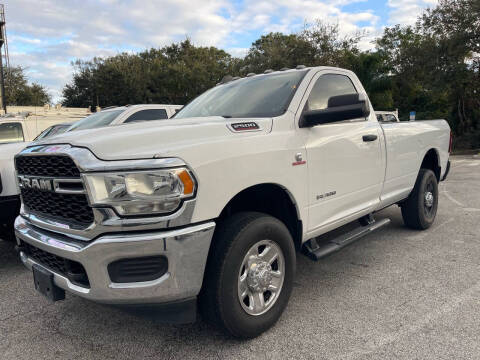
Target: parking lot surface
(396, 293)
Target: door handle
(367, 138)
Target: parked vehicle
(9, 194)
(127, 114)
(53, 130)
(10, 197)
(17, 130)
(387, 116)
(212, 205)
(25, 123)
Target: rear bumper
(9, 208)
(186, 250)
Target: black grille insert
(48, 165)
(72, 270)
(64, 207)
(67, 208)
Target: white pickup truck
(211, 206)
(15, 134)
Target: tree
(19, 92)
(410, 62)
(173, 74)
(432, 67)
(371, 69)
(276, 51)
(434, 64)
(454, 26)
(331, 49)
(317, 44)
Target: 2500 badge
(246, 126)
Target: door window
(11, 132)
(327, 86)
(150, 114)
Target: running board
(318, 251)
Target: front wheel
(420, 208)
(249, 274)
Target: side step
(317, 251)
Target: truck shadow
(315, 281)
(9, 259)
(327, 292)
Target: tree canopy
(19, 92)
(432, 67)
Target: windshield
(256, 96)
(99, 119)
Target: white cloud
(46, 35)
(406, 11)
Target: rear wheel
(420, 208)
(249, 275)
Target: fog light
(137, 269)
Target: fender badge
(301, 162)
(246, 126)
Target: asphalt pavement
(395, 294)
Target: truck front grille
(64, 207)
(72, 270)
(49, 166)
(71, 209)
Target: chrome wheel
(260, 277)
(429, 199)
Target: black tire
(219, 301)
(415, 210)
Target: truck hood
(162, 138)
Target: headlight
(141, 192)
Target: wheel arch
(431, 161)
(269, 198)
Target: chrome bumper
(186, 250)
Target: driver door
(345, 173)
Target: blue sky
(44, 36)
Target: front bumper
(186, 250)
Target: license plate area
(43, 280)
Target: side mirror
(340, 108)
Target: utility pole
(3, 54)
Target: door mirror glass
(340, 108)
